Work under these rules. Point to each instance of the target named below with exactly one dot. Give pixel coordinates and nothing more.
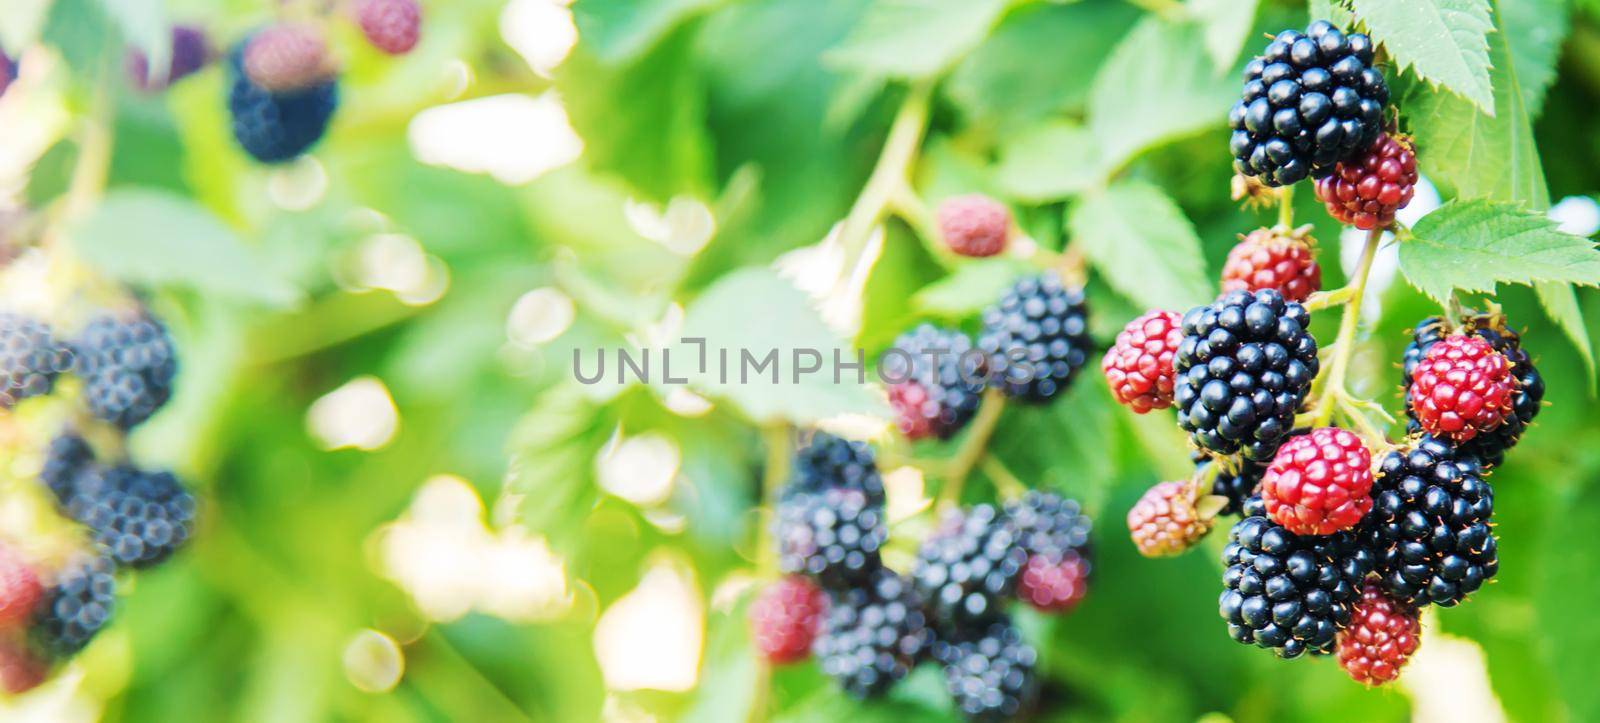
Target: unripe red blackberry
(974, 225)
(1055, 533)
(1138, 367)
(288, 57)
(20, 590)
(785, 617)
(1271, 258)
(1319, 483)
(1462, 388)
(1310, 100)
(1489, 447)
(190, 52)
(1382, 635)
(942, 381)
(1165, 522)
(392, 26)
(1367, 189)
(1054, 585)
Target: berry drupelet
(1036, 338)
(940, 381)
(874, 633)
(1310, 100)
(1273, 258)
(1138, 367)
(1431, 524)
(1244, 367)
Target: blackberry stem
(905, 203)
(1286, 206)
(1345, 344)
(891, 171)
(1009, 485)
(973, 447)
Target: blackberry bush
(1286, 592)
(874, 633)
(1244, 367)
(127, 364)
(1431, 524)
(943, 381)
(1310, 100)
(968, 566)
(1036, 338)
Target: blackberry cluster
(275, 127)
(834, 537)
(969, 566)
(76, 607)
(990, 674)
(827, 462)
(1431, 524)
(1527, 398)
(1286, 592)
(138, 518)
(1310, 100)
(874, 633)
(943, 377)
(1243, 369)
(1036, 338)
(127, 365)
(30, 359)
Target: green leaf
(1038, 62)
(1138, 237)
(1158, 85)
(1227, 25)
(753, 311)
(1472, 245)
(974, 286)
(158, 238)
(617, 30)
(1560, 302)
(915, 38)
(1049, 162)
(1331, 11)
(1443, 41)
(1534, 30)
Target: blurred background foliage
(411, 512)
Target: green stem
(973, 447)
(1345, 344)
(894, 163)
(1010, 486)
(906, 204)
(1286, 206)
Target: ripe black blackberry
(76, 607)
(1050, 525)
(277, 127)
(834, 536)
(1036, 338)
(873, 635)
(127, 365)
(1286, 592)
(990, 674)
(137, 518)
(968, 567)
(1430, 524)
(1244, 367)
(1237, 486)
(66, 459)
(30, 359)
(827, 462)
(1489, 447)
(1310, 100)
(943, 377)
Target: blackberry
(1054, 586)
(1461, 389)
(1526, 400)
(873, 635)
(1165, 521)
(19, 589)
(30, 359)
(968, 566)
(191, 50)
(990, 675)
(1236, 486)
(828, 462)
(1310, 100)
(974, 225)
(1289, 593)
(1382, 636)
(137, 518)
(1244, 367)
(833, 536)
(943, 381)
(785, 617)
(1320, 482)
(1050, 525)
(127, 365)
(277, 127)
(392, 26)
(76, 607)
(1138, 366)
(287, 57)
(1366, 190)
(1431, 524)
(1274, 258)
(68, 456)
(1036, 338)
